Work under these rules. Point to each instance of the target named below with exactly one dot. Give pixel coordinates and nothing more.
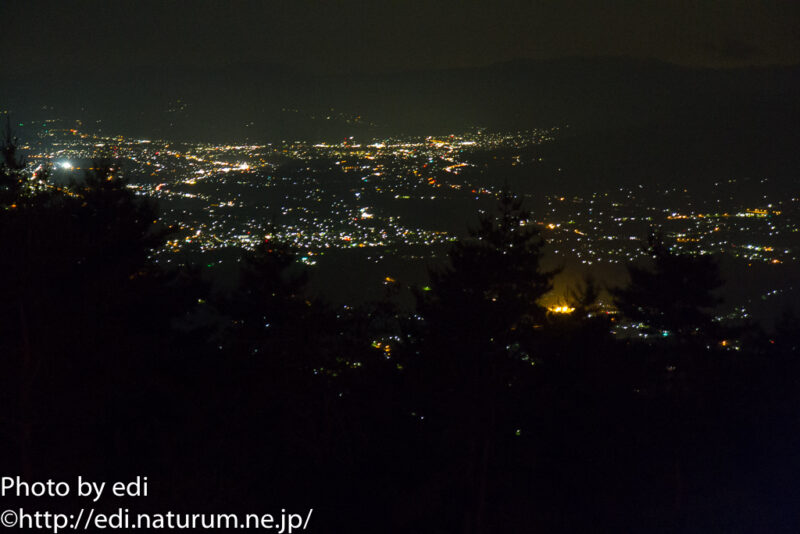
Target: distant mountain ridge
(628, 119)
(245, 100)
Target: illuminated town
(407, 199)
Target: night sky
(379, 36)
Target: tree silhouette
(11, 166)
(676, 295)
(479, 316)
(270, 302)
(80, 317)
(569, 335)
(585, 296)
(493, 282)
(787, 332)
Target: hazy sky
(374, 35)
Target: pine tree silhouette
(676, 295)
(493, 282)
(480, 314)
(787, 332)
(11, 167)
(79, 321)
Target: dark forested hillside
(478, 411)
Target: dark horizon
(362, 37)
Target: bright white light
(66, 165)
